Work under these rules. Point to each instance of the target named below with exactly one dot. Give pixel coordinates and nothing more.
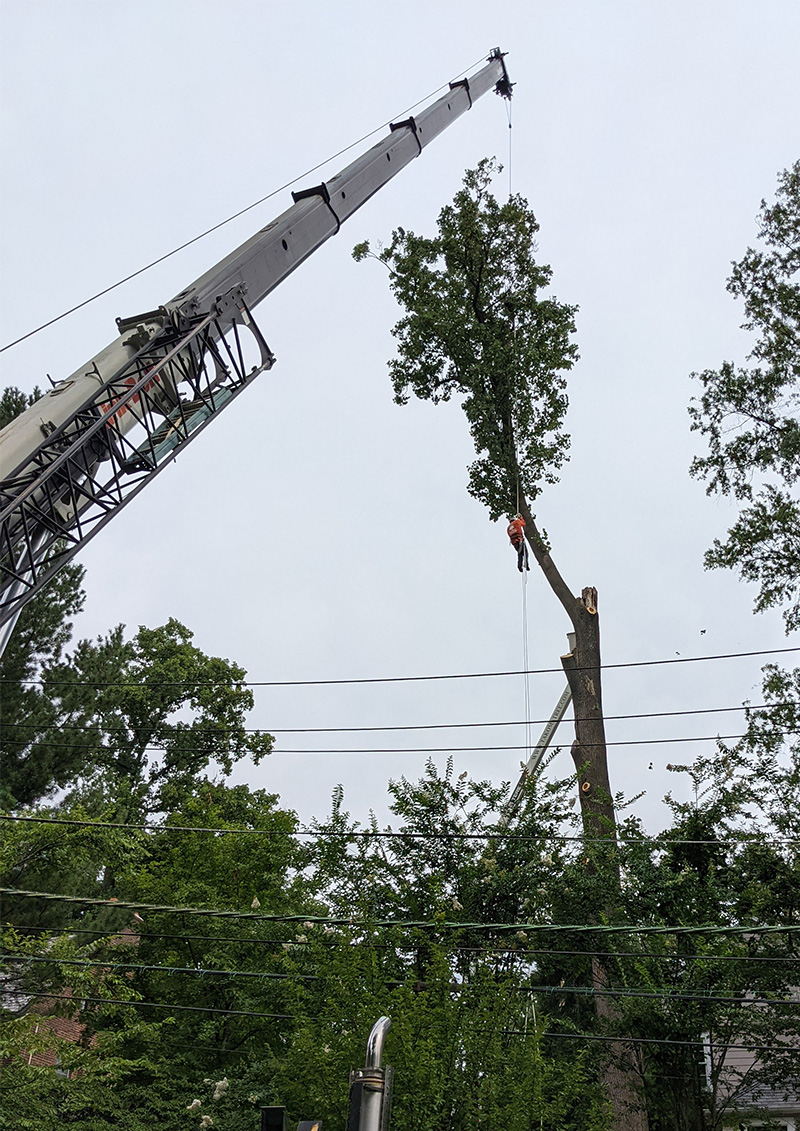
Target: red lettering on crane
(129, 382)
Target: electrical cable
(206, 744)
(751, 1047)
(440, 726)
(423, 924)
(401, 678)
(149, 1004)
(626, 1040)
(119, 940)
(222, 223)
(454, 987)
(397, 834)
(106, 964)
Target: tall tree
(129, 725)
(468, 1041)
(156, 1057)
(480, 325)
(749, 414)
(162, 714)
(35, 760)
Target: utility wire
(106, 964)
(424, 924)
(401, 678)
(455, 987)
(397, 834)
(149, 1004)
(206, 742)
(222, 223)
(436, 726)
(626, 1040)
(493, 951)
(785, 1048)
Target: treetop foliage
(749, 414)
(478, 326)
(137, 720)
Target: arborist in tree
(516, 534)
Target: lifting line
(508, 113)
(525, 664)
(221, 224)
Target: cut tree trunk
(582, 667)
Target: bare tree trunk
(583, 671)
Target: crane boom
(73, 459)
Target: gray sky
(318, 531)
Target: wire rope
(222, 223)
(510, 135)
(525, 664)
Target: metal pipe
(376, 1041)
(370, 1086)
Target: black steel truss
(91, 466)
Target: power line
(401, 678)
(668, 995)
(455, 987)
(432, 726)
(374, 945)
(424, 924)
(222, 223)
(208, 741)
(751, 1047)
(398, 834)
(106, 964)
(626, 1040)
(149, 1004)
(467, 749)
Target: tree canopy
(477, 326)
(749, 413)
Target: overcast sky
(318, 531)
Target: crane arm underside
(90, 468)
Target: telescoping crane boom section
(86, 448)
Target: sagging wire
(492, 951)
(412, 924)
(393, 678)
(574, 991)
(229, 219)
